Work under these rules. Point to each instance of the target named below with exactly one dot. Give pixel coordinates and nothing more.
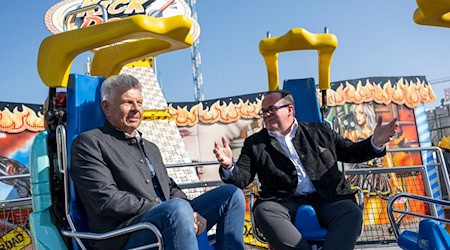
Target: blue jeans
(224, 206)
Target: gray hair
(118, 82)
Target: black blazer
(319, 149)
(113, 180)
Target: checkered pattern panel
(164, 133)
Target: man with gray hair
(121, 180)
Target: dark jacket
(113, 180)
(319, 149)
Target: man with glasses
(296, 164)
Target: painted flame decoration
(16, 121)
(410, 94)
(219, 111)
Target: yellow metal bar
(433, 12)
(57, 52)
(298, 39)
(155, 114)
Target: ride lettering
(15, 239)
(114, 8)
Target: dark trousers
(343, 220)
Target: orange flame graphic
(219, 111)
(19, 121)
(410, 94)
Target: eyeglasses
(271, 110)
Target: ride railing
(381, 184)
(17, 201)
(405, 196)
(200, 183)
(377, 229)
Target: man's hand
(385, 133)
(200, 223)
(223, 153)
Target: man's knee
(266, 211)
(355, 214)
(236, 195)
(351, 215)
(179, 211)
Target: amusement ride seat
(307, 110)
(130, 38)
(83, 105)
(431, 234)
(84, 113)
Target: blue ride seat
(306, 110)
(44, 232)
(85, 113)
(408, 240)
(431, 235)
(305, 99)
(307, 224)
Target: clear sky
(376, 38)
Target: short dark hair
(285, 96)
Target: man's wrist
(375, 146)
(227, 167)
(227, 172)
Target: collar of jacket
(271, 140)
(120, 135)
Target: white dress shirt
(304, 185)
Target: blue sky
(376, 38)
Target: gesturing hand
(384, 133)
(223, 153)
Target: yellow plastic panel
(298, 39)
(433, 12)
(110, 60)
(145, 63)
(57, 52)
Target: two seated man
(121, 179)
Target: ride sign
(17, 238)
(68, 13)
